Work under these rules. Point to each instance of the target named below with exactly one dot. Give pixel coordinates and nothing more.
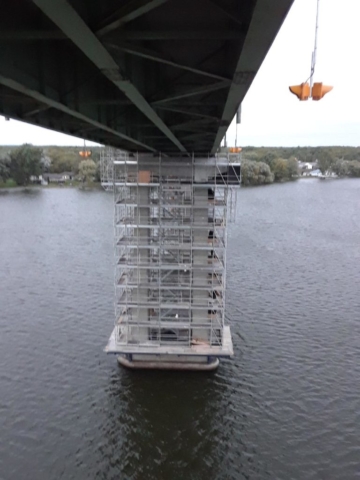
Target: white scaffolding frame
(170, 219)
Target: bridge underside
(141, 75)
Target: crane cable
(313, 56)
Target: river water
(286, 407)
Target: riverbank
(16, 188)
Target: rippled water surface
(286, 407)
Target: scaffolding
(107, 157)
(170, 219)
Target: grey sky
(271, 115)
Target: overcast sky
(271, 115)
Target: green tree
(293, 167)
(87, 169)
(280, 169)
(252, 156)
(341, 168)
(269, 158)
(24, 162)
(4, 167)
(63, 159)
(325, 160)
(346, 168)
(255, 173)
(354, 168)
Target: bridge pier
(170, 235)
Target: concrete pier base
(153, 363)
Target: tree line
(304, 154)
(264, 165)
(260, 165)
(19, 164)
(257, 172)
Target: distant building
(57, 177)
(316, 173)
(35, 179)
(306, 166)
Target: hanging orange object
(301, 91)
(316, 91)
(85, 153)
(319, 90)
(235, 149)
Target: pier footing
(153, 364)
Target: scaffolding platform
(198, 349)
(170, 224)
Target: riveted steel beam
(191, 124)
(193, 136)
(128, 13)
(25, 35)
(35, 111)
(220, 6)
(125, 34)
(72, 25)
(193, 92)
(51, 103)
(104, 101)
(156, 57)
(187, 112)
(175, 34)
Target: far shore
(97, 185)
(34, 186)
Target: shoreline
(97, 185)
(24, 188)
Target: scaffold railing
(170, 220)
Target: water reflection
(163, 425)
